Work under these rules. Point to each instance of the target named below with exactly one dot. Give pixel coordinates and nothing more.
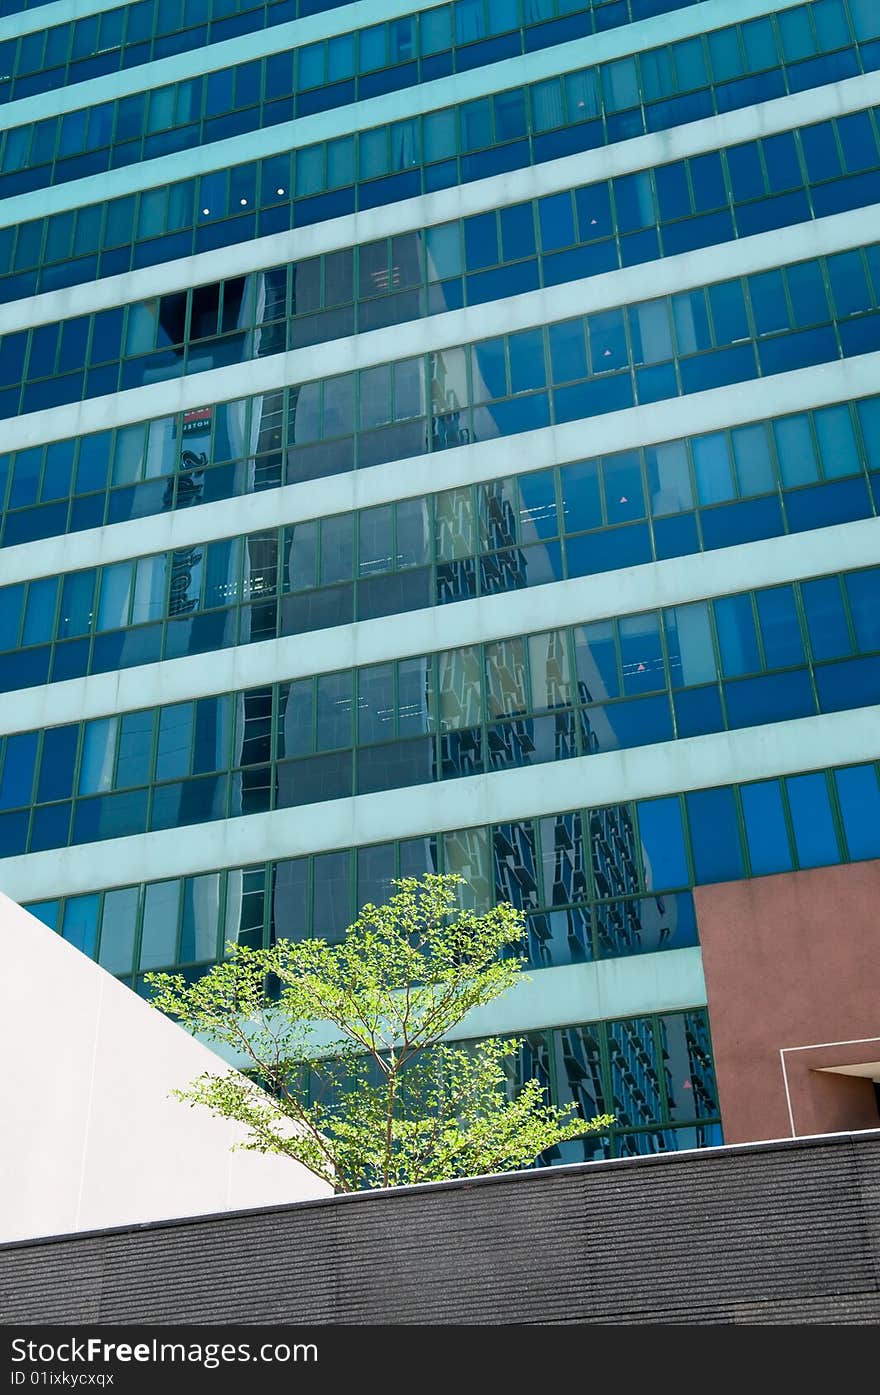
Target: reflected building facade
(438, 444)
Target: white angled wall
(90, 1137)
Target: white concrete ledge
(628, 286)
(427, 210)
(610, 988)
(761, 399)
(699, 762)
(726, 571)
(394, 106)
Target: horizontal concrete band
(45, 16)
(714, 410)
(699, 762)
(260, 43)
(677, 581)
(436, 333)
(607, 989)
(393, 106)
(177, 67)
(571, 993)
(427, 210)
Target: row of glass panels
(697, 340)
(778, 653)
(175, 462)
(493, 134)
(126, 37)
(597, 883)
(548, 525)
(565, 236)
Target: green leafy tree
(357, 1080)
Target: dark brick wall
(773, 1233)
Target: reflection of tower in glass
(450, 424)
(701, 1071)
(635, 1083)
(449, 399)
(685, 1052)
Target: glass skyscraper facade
(442, 439)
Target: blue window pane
(690, 63)
(526, 360)
(820, 151)
(869, 417)
(662, 842)
(783, 169)
(766, 831)
(706, 371)
(780, 629)
(607, 551)
(736, 635)
(832, 29)
(80, 926)
(39, 616)
(698, 711)
(769, 304)
(797, 35)
(624, 498)
(743, 522)
(641, 653)
(650, 332)
(837, 442)
(17, 778)
(727, 60)
(859, 795)
(814, 834)
(691, 322)
(808, 297)
(848, 683)
(776, 697)
(826, 618)
(556, 218)
(849, 284)
(754, 465)
(596, 661)
(607, 340)
(13, 833)
(669, 479)
(728, 312)
(45, 911)
(640, 722)
(481, 241)
(863, 590)
(689, 645)
(50, 826)
(714, 835)
(568, 354)
(708, 181)
(713, 469)
(791, 351)
(57, 762)
(11, 598)
(517, 232)
(634, 202)
(857, 138)
(444, 251)
(796, 450)
(780, 211)
(746, 175)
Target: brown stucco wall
(792, 962)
